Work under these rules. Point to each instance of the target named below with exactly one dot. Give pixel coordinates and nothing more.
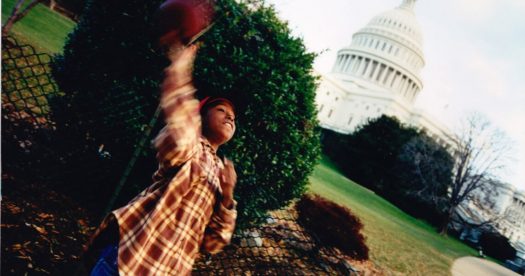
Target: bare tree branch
(481, 151)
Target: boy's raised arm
(178, 140)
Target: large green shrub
(250, 56)
(369, 155)
(111, 69)
(400, 163)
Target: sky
(474, 52)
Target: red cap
(209, 100)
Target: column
(366, 67)
(377, 72)
(338, 63)
(343, 62)
(351, 61)
(398, 82)
(356, 64)
(370, 68)
(406, 88)
(388, 76)
(383, 71)
(361, 66)
(392, 80)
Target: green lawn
(43, 28)
(398, 242)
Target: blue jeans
(107, 263)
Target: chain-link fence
(280, 246)
(39, 150)
(35, 150)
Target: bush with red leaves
(333, 224)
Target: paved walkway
(467, 266)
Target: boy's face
(219, 124)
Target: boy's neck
(214, 145)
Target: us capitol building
(379, 73)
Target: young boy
(190, 205)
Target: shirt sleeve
(220, 229)
(178, 140)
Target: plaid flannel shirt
(164, 227)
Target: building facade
(379, 73)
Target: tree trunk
(448, 218)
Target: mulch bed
(42, 231)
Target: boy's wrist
(228, 202)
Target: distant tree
(370, 154)
(480, 152)
(424, 176)
(18, 13)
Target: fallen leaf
(44, 215)
(40, 230)
(82, 222)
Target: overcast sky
(474, 52)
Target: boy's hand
(179, 73)
(228, 179)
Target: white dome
(399, 23)
(387, 53)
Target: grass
(42, 28)
(398, 242)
